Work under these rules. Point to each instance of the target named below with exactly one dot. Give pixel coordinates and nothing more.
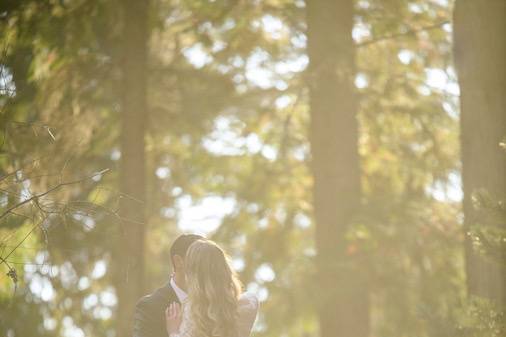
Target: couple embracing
(203, 297)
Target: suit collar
(168, 293)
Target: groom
(149, 316)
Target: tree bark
(344, 306)
(130, 248)
(480, 58)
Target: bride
(215, 306)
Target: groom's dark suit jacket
(149, 316)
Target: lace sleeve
(186, 324)
(248, 310)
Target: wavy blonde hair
(213, 290)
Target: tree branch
(397, 35)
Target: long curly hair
(213, 290)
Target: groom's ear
(178, 262)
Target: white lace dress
(247, 307)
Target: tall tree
(480, 57)
(343, 308)
(130, 276)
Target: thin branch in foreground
(413, 31)
(52, 189)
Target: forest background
(349, 155)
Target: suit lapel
(169, 294)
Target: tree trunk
(480, 58)
(130, 252)
(344, 307)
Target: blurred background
(348, 154)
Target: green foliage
(216, 128)
(489, 234)
(481, 317)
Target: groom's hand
(173, 317)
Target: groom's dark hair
(181, 244)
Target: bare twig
(52, 189)
(413, 31)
